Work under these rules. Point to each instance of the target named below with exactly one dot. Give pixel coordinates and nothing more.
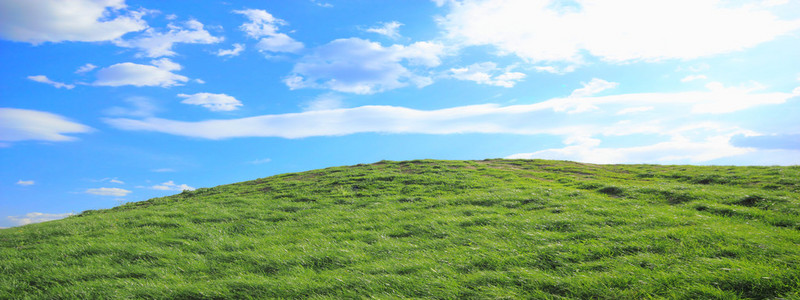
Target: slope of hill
(434, 229)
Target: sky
(104, 102)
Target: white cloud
(595, 86)
(213, 102)
(363, 67)
(389, 29)
(693, 78)
(116, 181)
(44, 79)
(35, 217)
(157, 74)
(264, 26)
(486, 73)
(76, 20)
(156, 44)
(171, 186)
(23, 124)
(104, 191)
(325, 101)
(613, 30)
(25, 182)
(237, 48)
(678, 150)
(85, 68)
(163, 170)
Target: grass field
(432, 229)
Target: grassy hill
(433, 229)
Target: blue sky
(109, 101)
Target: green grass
(432, 229)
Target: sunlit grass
(432, 229)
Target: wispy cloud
(25, 182)
(559, 70)
(163, 170)
(593, 87)
(157, 44)
(487, 73)
(237, 48)
(213, 102)
(678, 150)
(104, 191)
(44, 79)
(487, 118)
(322, 3)
(388, 29)
(24, 124)
(85, 68)
(112, 180)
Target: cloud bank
(613, 30)
(55, 21)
